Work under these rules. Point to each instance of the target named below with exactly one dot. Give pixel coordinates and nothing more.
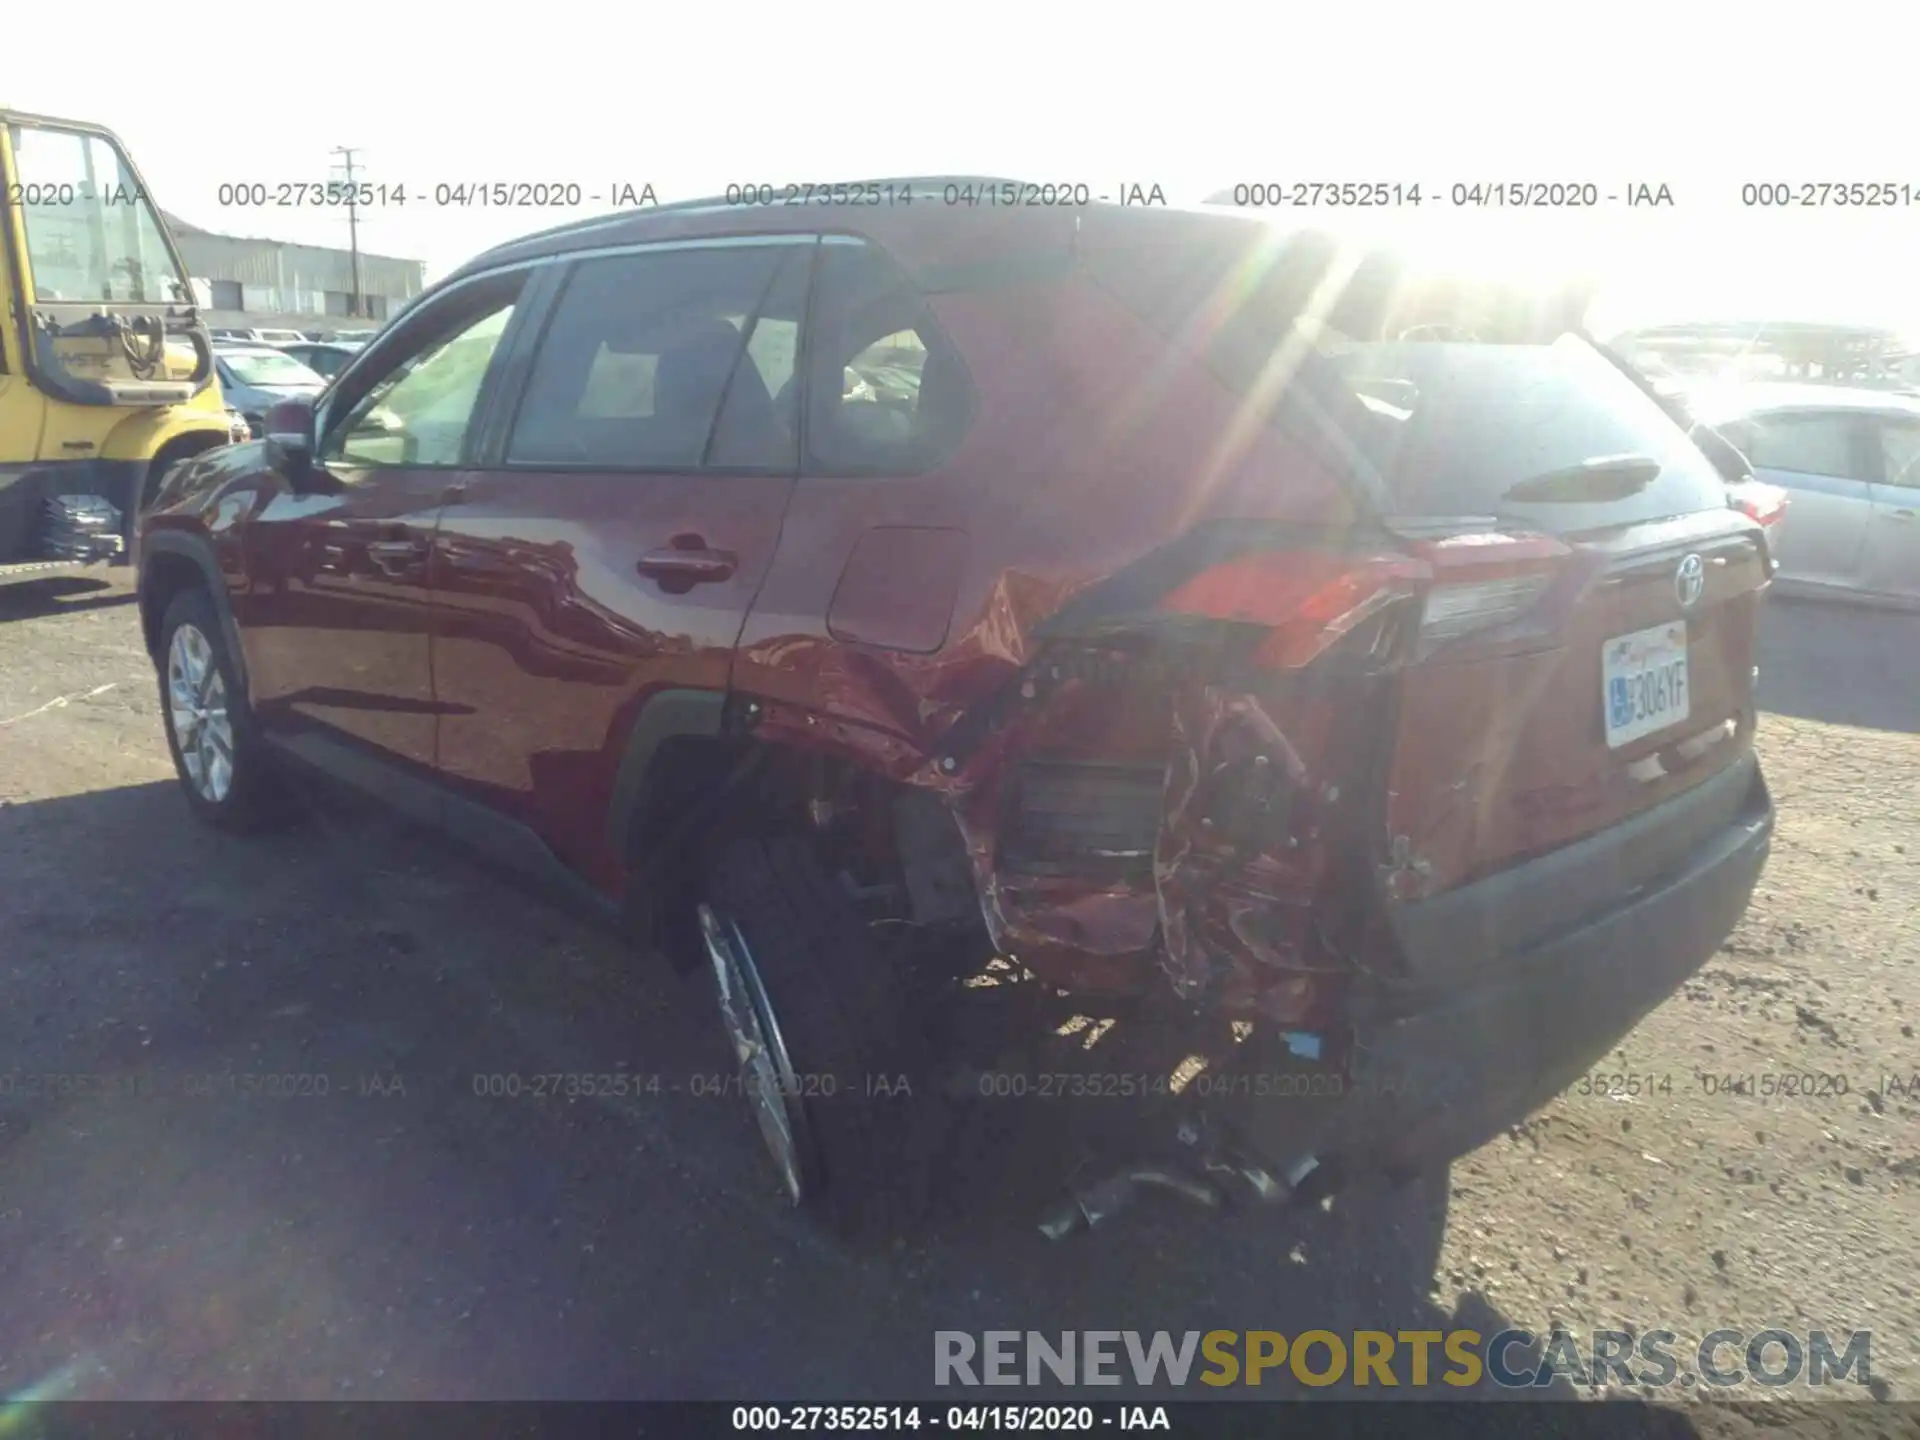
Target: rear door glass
(656, 360)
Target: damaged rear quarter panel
(1091, 447)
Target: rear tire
(217, 751)
(860, 1111)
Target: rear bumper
(1428, 1080)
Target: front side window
(1805, 445)
(92, 235)
(669, 360)
(418, 413)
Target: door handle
(687, 562)
(395, 557)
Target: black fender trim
(200, 552)
(665, 715)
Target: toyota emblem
(1690, 582)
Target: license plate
(1645, 677)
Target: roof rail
(929, 183)
(933, 185)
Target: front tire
(216, 746)
(820, 1022)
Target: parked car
(259, 337)
(325, 358)
(1278, 683)
(253, 378)
(1764, 503)
(1849, 459)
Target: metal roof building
(249, 280)
(1860, 354)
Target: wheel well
(703, 791)
(181, 447)
(163, 576)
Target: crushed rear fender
(1207, 812)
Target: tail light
(1764, 504)
(1468, 606)
(1306, 600)
(1309, 600)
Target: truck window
(91, 233)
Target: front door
(336, 615)
(611, 548)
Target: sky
(1194, 98)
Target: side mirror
(289, 438)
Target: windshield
(265, 367)
(91, 233)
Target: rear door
(1893, 532)
(611, 544)
(1827, 460)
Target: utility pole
(353, 222)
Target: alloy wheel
(197, 704)
(766, 1071)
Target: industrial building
(1773, 350)
(242, 282)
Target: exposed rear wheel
(820, 1023)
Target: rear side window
(887, 392)
(668, 360)
(1806, 444)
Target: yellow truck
(106, 367)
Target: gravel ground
(166, 1234)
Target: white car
(260, 337)
(1849, 459)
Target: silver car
(253, 378)
(1850, 460)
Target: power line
(353, 222)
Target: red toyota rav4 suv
(1350, 677)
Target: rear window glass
(1456, 392)
(1460, 427)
